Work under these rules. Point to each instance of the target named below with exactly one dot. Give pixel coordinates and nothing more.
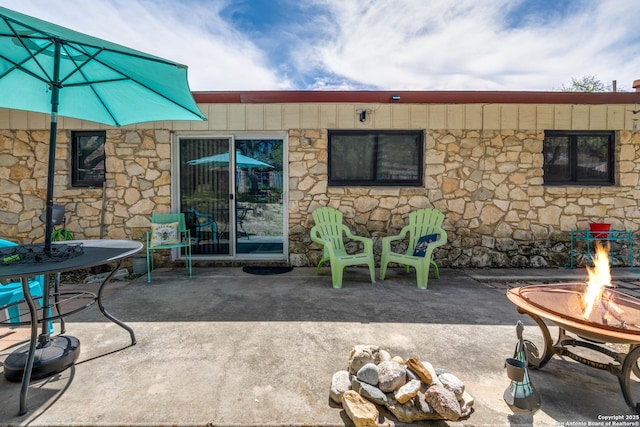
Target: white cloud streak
(466, 45)
(373, 44)
(219, 56)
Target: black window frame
(418, 182)
(573, 178)
(80, 175)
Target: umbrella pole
(55, 89)
(48, 228)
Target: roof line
(415, 97)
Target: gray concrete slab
(227, 348)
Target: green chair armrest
(442, 240)
(386, 241)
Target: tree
(588, 83)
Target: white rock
(384, 356)
(361, 355)
(466, 404)
(453, 383)
(340, 382)
(434, 376)
(391, 376)
(399, 360)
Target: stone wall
(489, 185)
(137, 185)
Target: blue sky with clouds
(369, 44)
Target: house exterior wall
(483, 170)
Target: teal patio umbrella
(50, 69)
(242, 161)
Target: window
(88, 158)
(584, 158)
(376, 158)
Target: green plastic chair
(329, 231)
(422, 222)
(160, 239)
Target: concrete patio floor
(227, 348)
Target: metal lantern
(520, 395)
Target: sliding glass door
(205, 193)
(259, 197)
(233, 203)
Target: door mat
(266, 270)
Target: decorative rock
(339, 384)
(412, 376)
(432, 371)
(421, 402)
(361, 355)
(418, 368)
(369, 391)
(466, 404)
(399, 360)
(408, 391)
(409, 413)
(384, 356)
(453, 383)
(391, 376)
(412, 390)
(444, 402)
(368, 374)
(362, 412)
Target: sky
(234, 45)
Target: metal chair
(422, 223)
(11, 294)
(241, 215)
(329, 231)
(197, 221)
(168, 231)
(57, 218)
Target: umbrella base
(59, 353)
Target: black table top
(94, 252)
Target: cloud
(370, 44)
(470, 45)
(192, 33)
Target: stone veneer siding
(138, 183)
(488, 183)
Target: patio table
(54, 354)
(589, 237)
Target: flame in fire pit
(599, 278)
(594, 311)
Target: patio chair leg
(372, 272)
(436, 272)
(336, 276)
(322, 261)
(383, 269)
(422, 276)
(149, 266)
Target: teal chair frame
(184, 240)
(11, 294)
(200, 221)
(330, 232)
(421, 222)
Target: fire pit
(595, 313)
